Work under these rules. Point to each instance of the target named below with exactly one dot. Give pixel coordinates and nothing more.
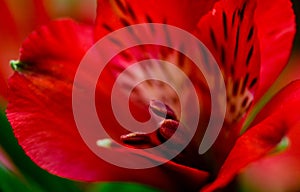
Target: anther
(136, 138)
(105, 143)
(168, 128)
(162, 110)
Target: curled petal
(280, 171)
(276, 26)
(40, 112)
(279, 118)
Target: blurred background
(17, 19)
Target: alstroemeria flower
(250, 40)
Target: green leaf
(121, 186)
(9, 182)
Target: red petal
(47, 70)
(40, 13)
(279, 171)
(276, 26)
(112, 15)
(9, 37)
(38, 56)
(8, 25)
(115, 14)
(27, 15)
(40, 112)
(280, 117)
(47, 132)
(230, 33)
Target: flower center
(167, 127)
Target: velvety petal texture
(40, 111)
(250, 41)
(230, 33)
(40, 82)
(275, 21)
(238, 35)
(278, 119)
(279, 171)
(115, 14)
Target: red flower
(251, 42)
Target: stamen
(136, 138)
(163, 133)
(162, 110)
(105, 143)
(168, 128)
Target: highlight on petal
(279, 119)
(114, 14)
(52, 141)
(40, 112)
(47, 51)
(37, 90)
(276, 25)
